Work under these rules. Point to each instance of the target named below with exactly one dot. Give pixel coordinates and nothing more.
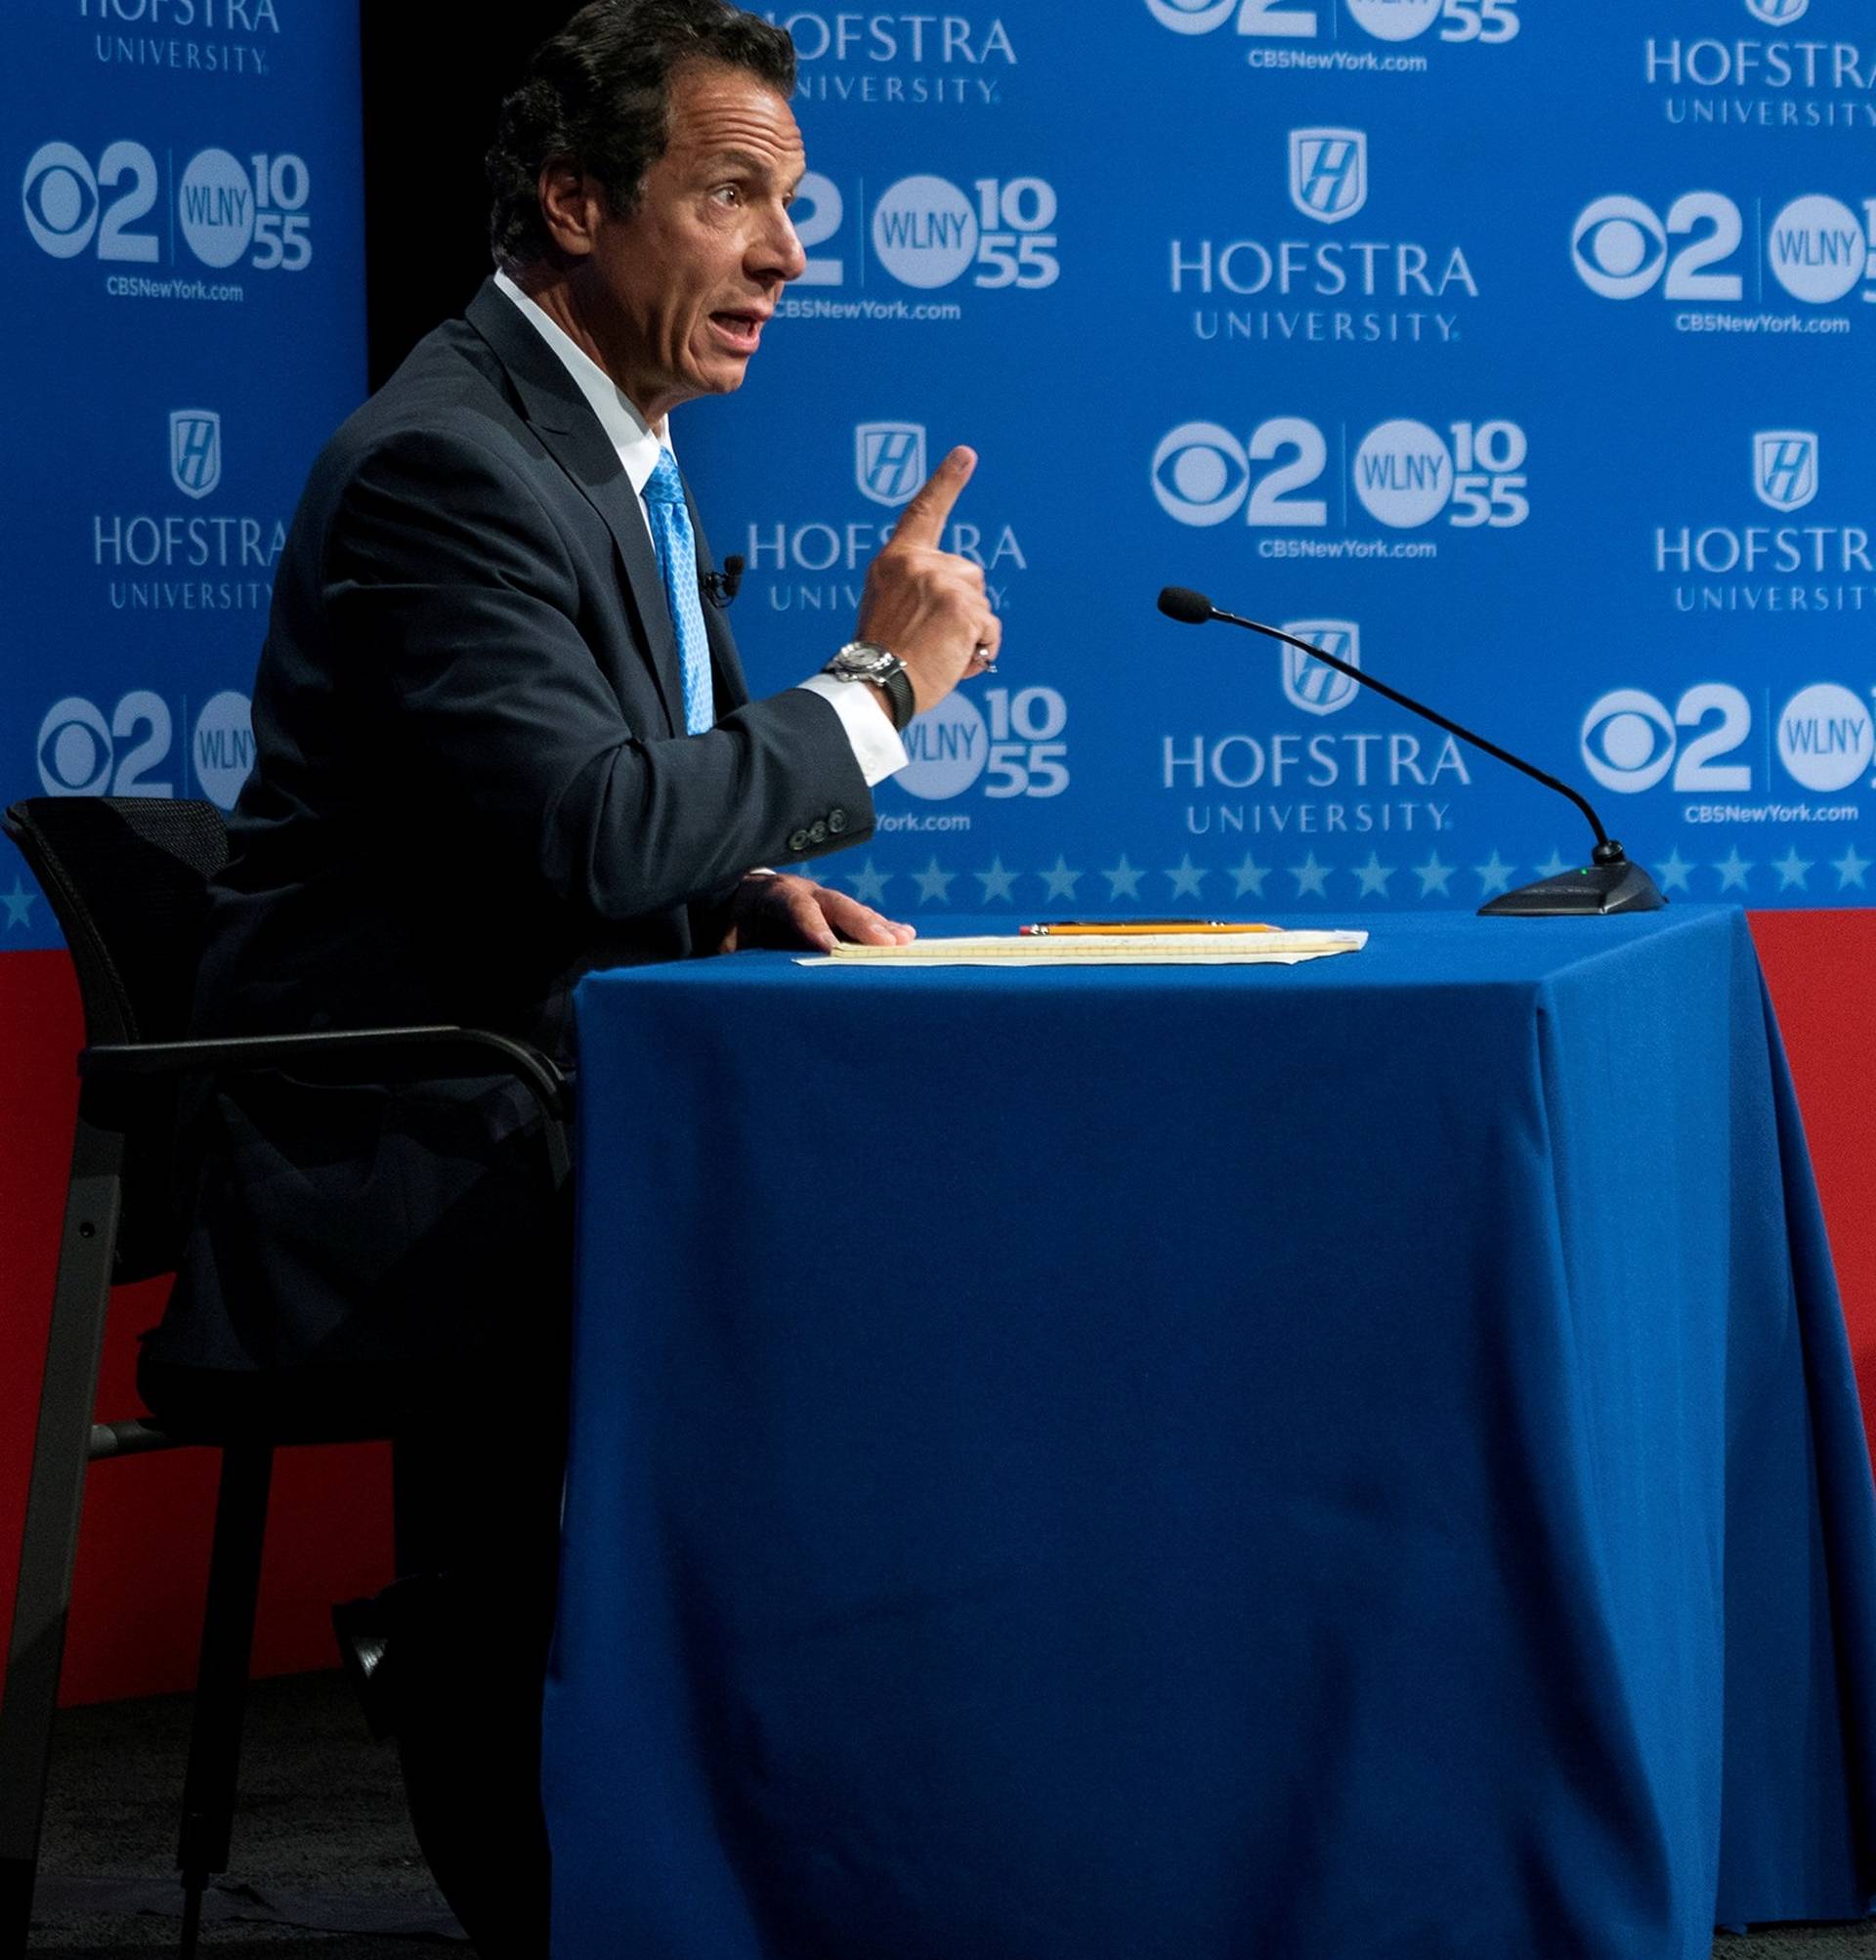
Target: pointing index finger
(923, 520)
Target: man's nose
(778, 250)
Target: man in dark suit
(502, 737)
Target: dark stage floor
(324, 1859)
(325, 1863)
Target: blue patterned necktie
(677, 560)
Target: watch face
(867, 662)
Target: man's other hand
(773, 908)
(928, 605)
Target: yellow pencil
(1070, 926)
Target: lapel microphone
(720, 587)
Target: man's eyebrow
(745, 161)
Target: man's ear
(571, 208)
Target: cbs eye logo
(1200, 472)
(1620, 246)
(1628, 741)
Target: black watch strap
(867, 660)
(898, 687)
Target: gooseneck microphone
(1607, 883)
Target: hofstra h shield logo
(1784, 467)
(1328, 173)
(1777, 12)
(195, 449)
(1309, 684)
(889, 460)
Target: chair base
(17, 1877)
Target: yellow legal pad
(1094, 949)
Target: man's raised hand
(923, 520)
(928, 605)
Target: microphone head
(1181, 603)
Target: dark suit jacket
(471, 787)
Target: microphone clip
(720, 587)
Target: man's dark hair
(597, 96)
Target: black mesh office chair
(127, 879)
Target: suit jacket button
(836, 822)
(799, 841)
(818, 831)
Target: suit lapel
(568, 429)
(726, 669)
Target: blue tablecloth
(1352, 1459)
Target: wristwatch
(863, 660)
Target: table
(1351, 1459)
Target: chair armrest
(353, 1055)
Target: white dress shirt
(875, 742)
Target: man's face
(675, 295)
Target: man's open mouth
(744, 330)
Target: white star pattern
(1122, 881)
(19, 903)
(1494, 875)
(1732, 869)
(997, 881)
(933, 884)
(868, 884)
(1249, 876)
(1309, 876)
(1185, 876)
(1791, 870)
(1435, 876)
(1674, 870)
(1060, 880)
(1374, 876)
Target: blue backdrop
(1521, 350)
(184, 271)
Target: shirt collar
(636, 442)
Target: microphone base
(1592, 891)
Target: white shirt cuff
(877, 746)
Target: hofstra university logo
(859, 59)
(194, 450)
(1311, 685)
(1800, 74)
(889, 460)
(208, 560)
(1784, 467)
(1378, 289)
(1328, 173)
